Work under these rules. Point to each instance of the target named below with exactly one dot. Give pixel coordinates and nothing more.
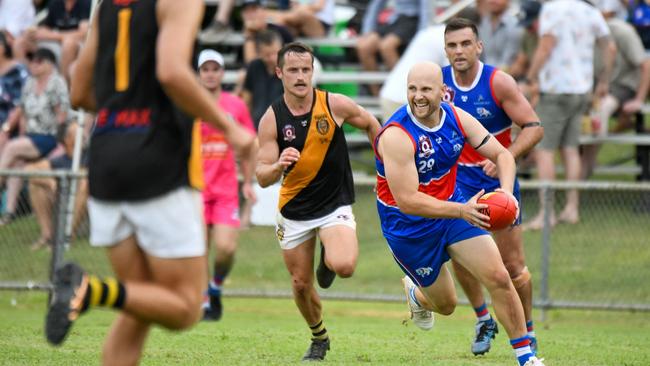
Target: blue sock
(522, 349)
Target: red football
(502, 209)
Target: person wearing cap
(562, 72)
(63, 30)
(220, 194)
(43, 107)
(529, 20)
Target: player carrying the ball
(424, 216)
(494, 99)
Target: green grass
(603, 259)
(271, 332)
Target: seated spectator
(255, 22)
(500, 33)
(262, 86)
(219, 27)
(43, 108)
(309, 18)
(427, 45)
(628, 86)
(13, 76)
(43, 190)
(394, 35)
(16, 16)
(63, 31)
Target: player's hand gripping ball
(502, 209)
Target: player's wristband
(531, 124)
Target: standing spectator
(309, 18)
(42, 110)
(394, 35)
(529, 20)
(220, 194)
(63, 30)
(562, 69)
(262, 86)
(16, 16)
(43, 190)
(628, 86)
(13, 76)
(501, 34)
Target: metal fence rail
(598, 263)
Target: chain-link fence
(600, 262)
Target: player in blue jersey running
(424, 216)
(493, 98)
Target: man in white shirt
(562, 69)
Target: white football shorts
(168, 226)
(291, 233)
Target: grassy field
(603, 259)
(271, 332)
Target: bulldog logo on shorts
(322, 125)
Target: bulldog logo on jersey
(425, 146)
(448, 95)
(483, 112)
(322, 125)
(289, 133)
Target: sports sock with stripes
(530, 329)
(318, 331)
(482, 313)
(522, 349)
(107, 292)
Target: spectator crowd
(571, 58)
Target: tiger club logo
(322, 125)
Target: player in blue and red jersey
(424, 216)
(493, 98)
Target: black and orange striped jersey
(321, 180)
(142, 142)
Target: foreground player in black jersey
(135, 73)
